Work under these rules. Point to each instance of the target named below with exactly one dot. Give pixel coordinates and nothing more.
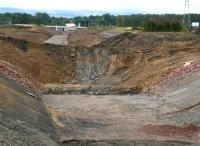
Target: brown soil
(188, 131)
(136, 60)
(124, 64)
(85, 37)
(35, 63)
(126, 61)
(35, 34)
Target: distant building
(195, 24)
(68, 27)
(60, 28)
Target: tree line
(38, 18)
(147, 21)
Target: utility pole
(186, 16)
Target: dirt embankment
(85, 37)
(34, 34)
(41, 64)
(23, 118)
(11, 72)
(128, 63)
(135, 61)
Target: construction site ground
(170, 116)
(103, 87)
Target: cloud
(153, 6)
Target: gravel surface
(58, 40)
(23, 119)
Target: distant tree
(42, 18)
(135, 20)
(172, 25)
(119, 21)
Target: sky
(146, 6)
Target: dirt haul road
(58, 40)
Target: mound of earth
(188, 131)
(85, 37)
(34, 34)
(42, 64)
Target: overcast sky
(151, 6)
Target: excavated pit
(118, 68)
(124, 64)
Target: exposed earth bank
(161, 68)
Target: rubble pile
(186, 131)
(179, 73)
(16, 76)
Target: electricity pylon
(186, 15)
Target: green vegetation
(167, 22)
(104, 20)
(163, 26)
(38, 18)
